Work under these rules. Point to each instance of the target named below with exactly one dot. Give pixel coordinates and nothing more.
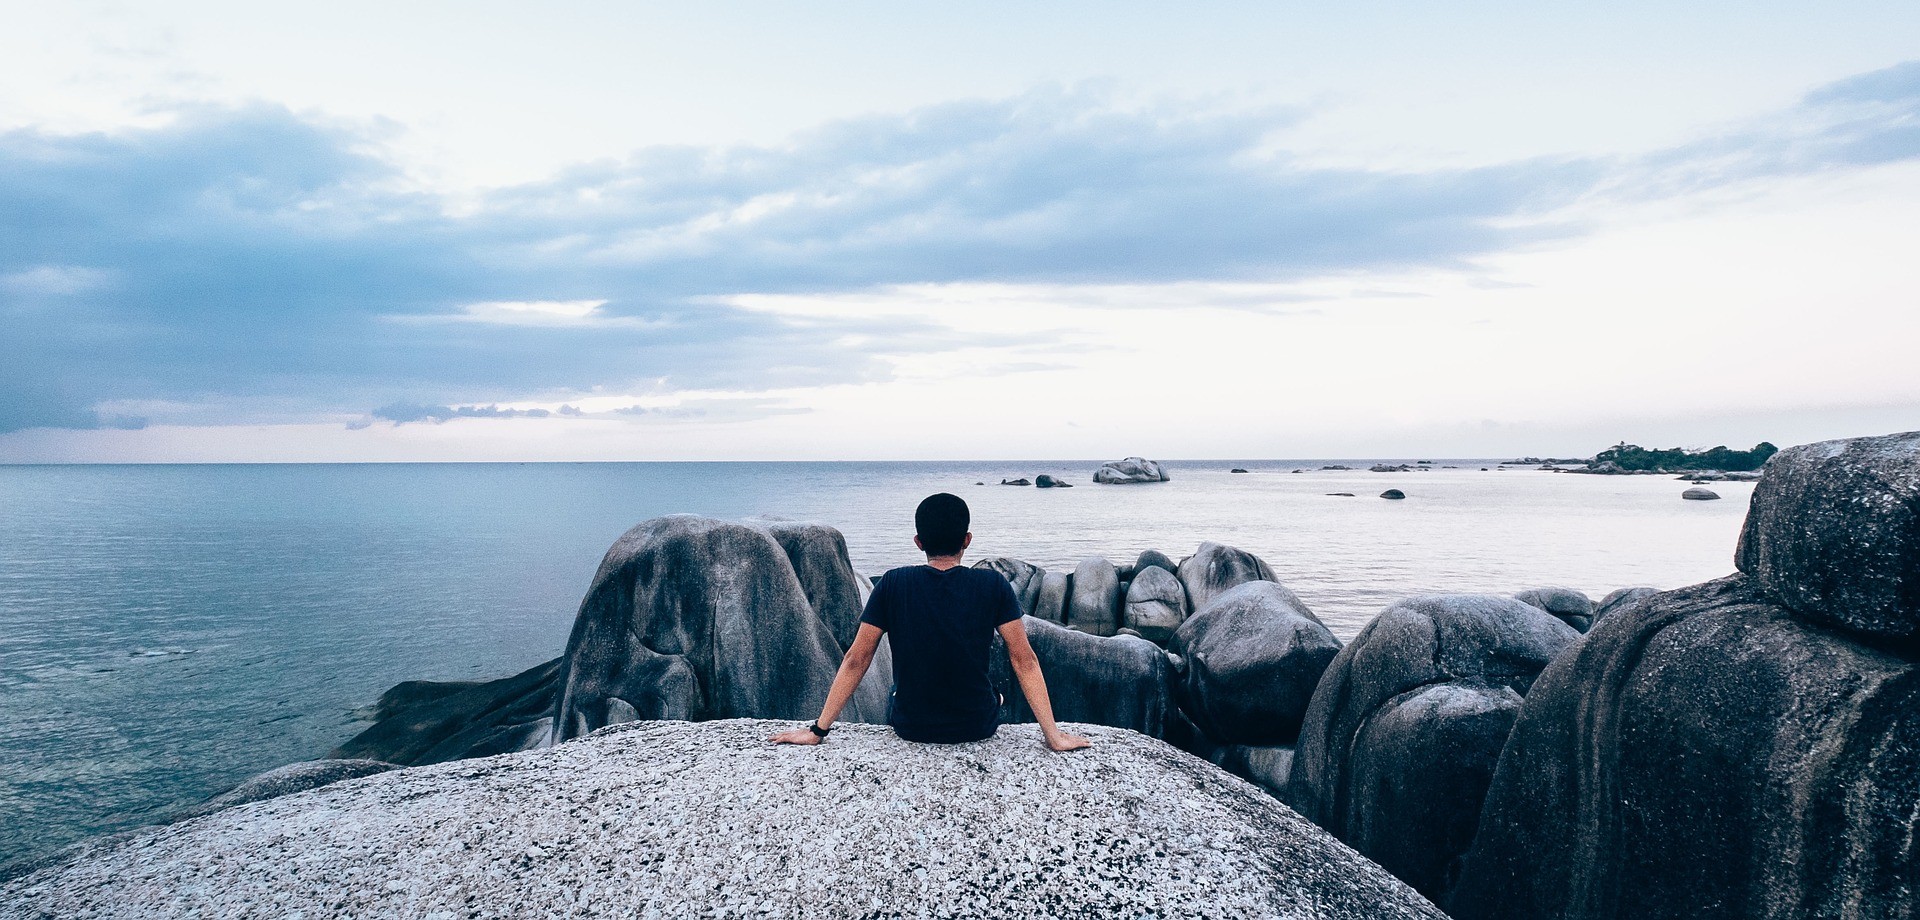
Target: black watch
(818, 732)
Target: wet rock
(1394, 494)
(1340, 494)
(1130, 470)
(1155, 604)
(677, 819)
(1214, 568)
(1699, 494)
(1093, 603)
(1236, 470)
(1572, 607)
(422, 722)
(1705, 753)
(1400, 741)
(1022, 481)
(1253, 657)
(1044, 481)
(1833, 532)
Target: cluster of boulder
(1130, 470)
(1748, 747)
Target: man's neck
(944, 563)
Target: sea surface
(167, 631)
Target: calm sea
(166, 631)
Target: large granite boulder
(677, 819)
(1121, 681)
(1253, 657)
(1707, 754)
(1093, 598)
(1155, 604)
(1025, 577)
(694, 618)
(1214, 568)
(1573, 607)
(1833, 532)
(1050, 603)
(838, 596)
(1130, 470)
(287, 780)
(1399, 743)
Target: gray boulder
(1833, 532)
(1572, 607)
(1706, 754)
(292, 778)
(1122, 681)
(838, 595)
(1152, 558)
(1130, 470)
(1214, 568)
(694, 618)
(1393, 494)
(1025, 577)
(676, 819)
(1700, 494)
(1093, 605)
(1156, 605)
(1253, 657)
(1399, 743)
(1620, 599)
(1044, 481)
(1266, 767)
(1051, 603)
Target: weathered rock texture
(1025, 577)
(1400, 741)
(1253, 657)
(1700, 494)
(1833, 532)
(677, 819)
(1214, 568)
(421, 722)
(1122, 681)
(1620, 599)
(693, 618)
(1574, 608)
(1130, 470)
(1706, 754)
(1155, 604)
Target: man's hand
(796, 736)
(1062, 742)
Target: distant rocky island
(1746, 747)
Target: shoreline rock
(1130, 471)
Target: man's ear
(919, 545)
(965, 541)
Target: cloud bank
(262, 259)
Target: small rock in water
(1341, 494)
(1698, 494)
(1239, 470)
(1015, 482)
(1394, 494)
(1044, 481)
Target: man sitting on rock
(941, 616)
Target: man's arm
(1026, 667)
(854, 666)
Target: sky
(779, 231)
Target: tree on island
(1634, 457)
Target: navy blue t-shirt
(941, 624)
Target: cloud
(255, 255)
(402, 413)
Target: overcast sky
(988, 230)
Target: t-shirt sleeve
(1006, 607)
(879, 611)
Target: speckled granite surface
(676, 819)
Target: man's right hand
(796, 736)
(1062, 742)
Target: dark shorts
(945, 734)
